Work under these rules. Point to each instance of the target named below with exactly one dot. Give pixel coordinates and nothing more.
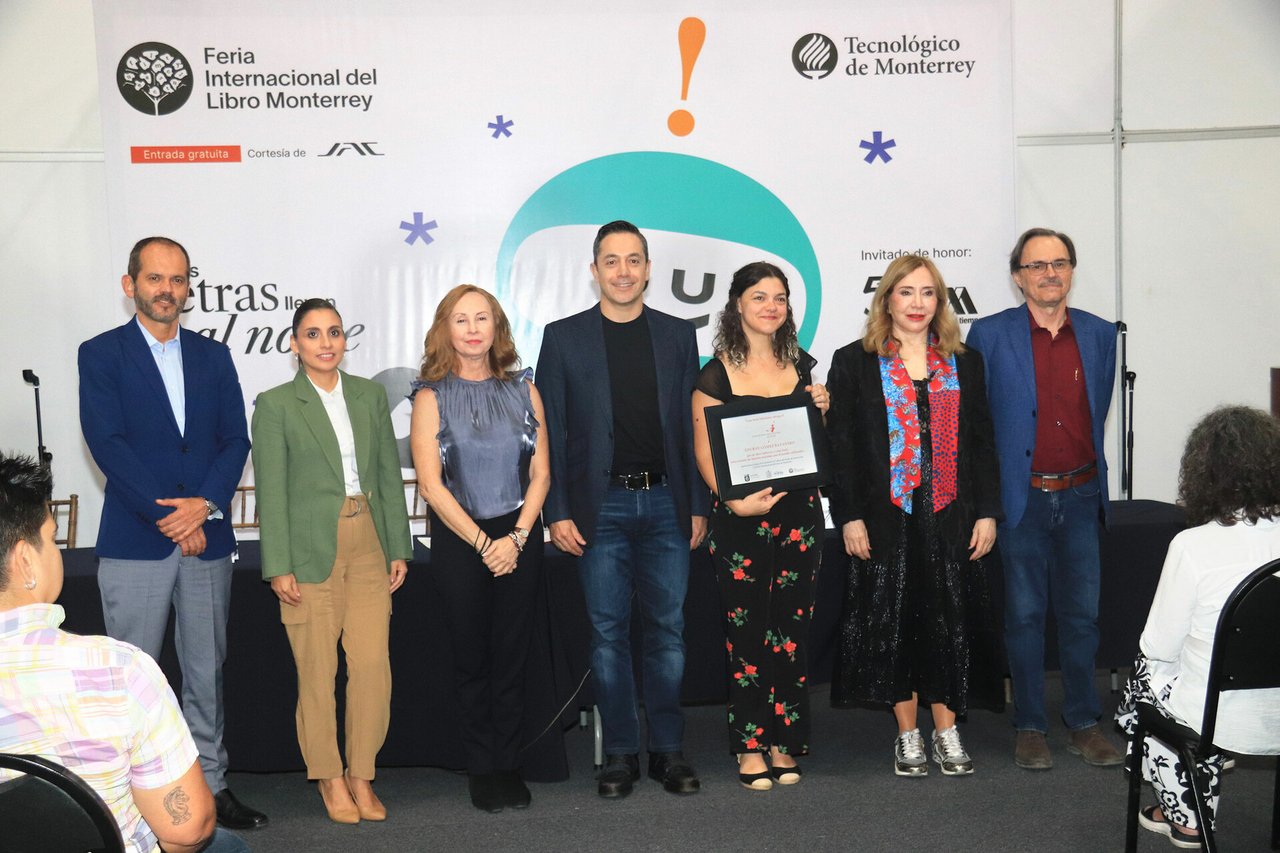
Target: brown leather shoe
(337, 800)
(1031, 751)
(1092, 745)
(367, 802)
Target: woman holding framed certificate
(917, 498)
(765, 546)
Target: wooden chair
(68, 530)
(241, 518)
(240, 502)
(1246, 656)
(417, 505)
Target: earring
(30, 584)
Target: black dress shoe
(486, 794)
(676, 775)
(619, 774)
(234, 814)
(514, 793)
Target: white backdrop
(309, 145)
(1198, 211)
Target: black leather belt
(638, 481)
(1058, 482)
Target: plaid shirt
(97, 706)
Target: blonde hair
(944, 326)
(438, 356)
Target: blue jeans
(226, 842)
(638, 547)
(1052, 556)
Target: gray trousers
(136, 595)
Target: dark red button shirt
(1064, 438)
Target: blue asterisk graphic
(418, 229)
(877, 147)
(501, 127)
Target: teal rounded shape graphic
(669, 192)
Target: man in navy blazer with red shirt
(1050, 372)
(163, 415)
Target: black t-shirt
(633, 387)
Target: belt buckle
(635, 481)
(1046, 481)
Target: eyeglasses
(1039, 267)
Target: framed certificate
(771, 441)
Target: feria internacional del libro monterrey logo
(154, 78)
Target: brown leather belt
(1058, 482)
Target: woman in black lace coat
(917, 499)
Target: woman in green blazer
(335, 544)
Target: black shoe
(486, 795)
(676, 775)
(762, 781)
(785, 775)
(234, 814)
(513, 791)
(618, 775)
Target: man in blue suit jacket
(163, 415)
(1050, 372)
(617, 383)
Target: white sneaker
(950, 754)
(908, 755)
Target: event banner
(377, 154)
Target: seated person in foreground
(97, 706)
(1230, 486)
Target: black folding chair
(1246, 656)
(51, 810)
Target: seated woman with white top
(1229, 484)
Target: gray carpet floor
(849, 799)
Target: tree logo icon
(154, 78)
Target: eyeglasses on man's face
(1040, 267)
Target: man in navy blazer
(163, 415)
(617, 382)
(1050, 371)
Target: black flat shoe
(485, 793)
(234, 814)
(514, 793)
(785, 775)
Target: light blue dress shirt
(168, 358)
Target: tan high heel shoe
(367, 802)
(338, 801)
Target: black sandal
(761, 781)
(785, 775)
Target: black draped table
(260, 683)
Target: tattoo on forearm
(176, 804)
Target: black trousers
(490, 620)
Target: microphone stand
(1130, 379)
(43, 454)
(1126, 428)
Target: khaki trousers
(354, 604)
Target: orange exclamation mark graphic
(692, 34)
